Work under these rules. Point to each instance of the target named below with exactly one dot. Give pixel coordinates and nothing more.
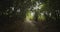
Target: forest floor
(29, 26)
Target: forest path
(29, 26)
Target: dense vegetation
(45, 14)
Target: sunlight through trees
(18, 15)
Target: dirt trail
(29, 27)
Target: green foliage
(41, 17)
(9, 14)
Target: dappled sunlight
(30, 15)
(41, 17)
(41, 6)
(12, 8)
(29, 18)
(42, 13)
(38, 6)
(49, 14)
(18, 10)
(29, 22)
